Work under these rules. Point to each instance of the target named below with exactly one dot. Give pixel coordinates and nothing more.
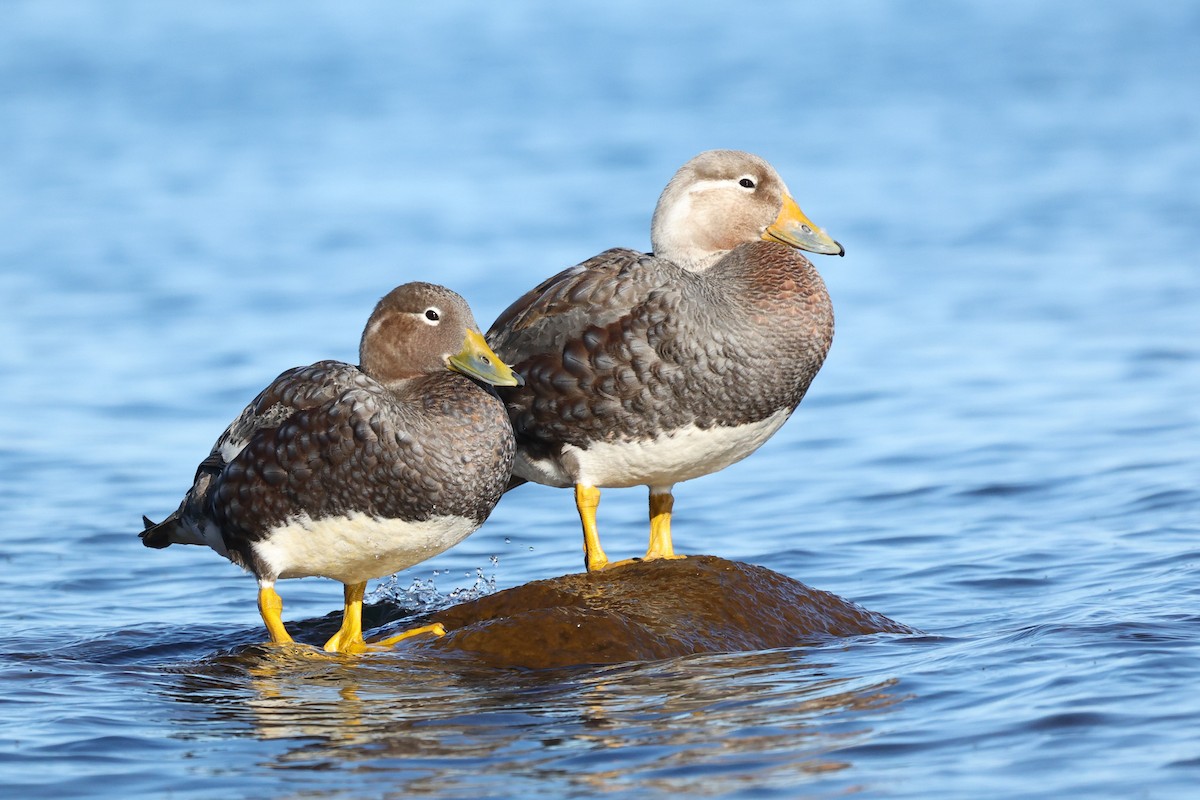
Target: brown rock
(646, 611)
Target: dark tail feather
(158, 535)
(513, 483)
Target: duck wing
(607, 288)
(297, 391)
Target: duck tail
(159, 535)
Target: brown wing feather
(596, 293)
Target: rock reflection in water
(421, 724)
(441, 715)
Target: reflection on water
(677, 726)
(1001, 448)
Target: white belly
(668, 459)
(357, 548)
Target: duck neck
(694, 259)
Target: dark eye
(747, 183)
(432, 315)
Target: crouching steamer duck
(651, 369)
(356, 472)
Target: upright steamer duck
(651, 369)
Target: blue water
(1003, 449)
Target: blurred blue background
(1002, 448)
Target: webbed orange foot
(437, 629)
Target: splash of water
(423, 595)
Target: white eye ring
(432, 316)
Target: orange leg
(349, 638)
(587, 498)
(270, 606)
(661, 504)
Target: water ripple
(1001, 448)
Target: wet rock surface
(646, 611)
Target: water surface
(1003, 449)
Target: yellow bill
(792, 227)
(477, 360)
